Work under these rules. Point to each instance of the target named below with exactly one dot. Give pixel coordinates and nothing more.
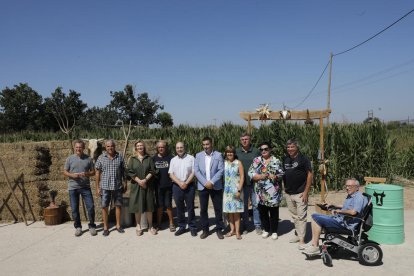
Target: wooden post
(322, 161)
(249, 125)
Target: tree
(165, 119)
(21, 108)
(97, 117)
(140, 109)
(65, 109)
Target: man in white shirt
(181, 172)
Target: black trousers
(269, 217)
(217, 198)
(184, 201)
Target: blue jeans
(86, 194)
(326, 221)
(182, 199)
(248, 192)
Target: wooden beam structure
(295, 115)
(290, 115)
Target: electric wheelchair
(368, 252)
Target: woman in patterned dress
(266, 171)
(233, 185)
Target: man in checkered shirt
(109, 178)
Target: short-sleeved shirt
(246, 157)
(182, 167)
(296, 173)
(162, 164)
(357, 202)
(112, 171)
(78, 164)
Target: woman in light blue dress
(233, 185)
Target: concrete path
(54, 250)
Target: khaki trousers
(299, 211)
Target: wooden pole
(249, 125)
(322, 161)
(329, 87)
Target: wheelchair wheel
(370, 254)
(327, 259)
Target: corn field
(352, 150)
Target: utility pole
(329, 87)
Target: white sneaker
(312, 250)
(92, 231)
(274, 236)
(78, 232)
(303, 246)
(265, 235)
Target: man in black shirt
(298, 179)
(163, 183)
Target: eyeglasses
(349, 186)
(264, 149)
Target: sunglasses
(264, 149)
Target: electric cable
(380, 32)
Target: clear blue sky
(208, 60)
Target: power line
(380, 32)
(373, 75)
(350, 49)
(313, 88)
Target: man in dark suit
(209, 169)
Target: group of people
(243, 175)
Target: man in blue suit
(209, 169)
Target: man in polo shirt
(181, 172)
(246, 153)
(110, 170)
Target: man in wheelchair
(344, 218)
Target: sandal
(238, 236)
(153, 231)
(229, 234)
(138, 232)
(172, 228)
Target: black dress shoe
(194, 233)
(105, 233)
(180, 231)
(120, 230)
(220, 234)
(204, 234)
